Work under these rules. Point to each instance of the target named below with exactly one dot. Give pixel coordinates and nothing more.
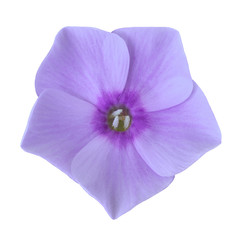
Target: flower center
(119, 119)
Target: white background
(37, 201)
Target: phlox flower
(119, 113)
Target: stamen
(117, 112)
(119, 119)
(126, 122)
(115, 122)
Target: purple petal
(59, 126)
(178, 136)
(118, 178)
(158, 67)
(84, 62)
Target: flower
(119, 113)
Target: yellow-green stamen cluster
(119, 119)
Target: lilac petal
(118, 178)
(178, 136)
(84, 62)
(59, 126)
(158, 68)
